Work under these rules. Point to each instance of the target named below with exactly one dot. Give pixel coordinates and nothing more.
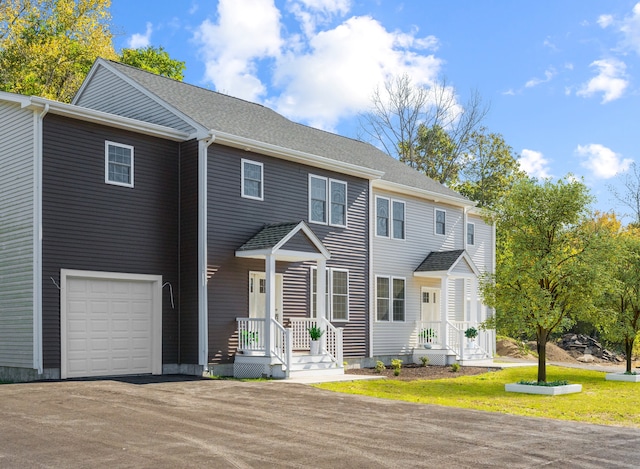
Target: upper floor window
(327, 201)
(441, 221)
(118, 162)
(390, 211)
(252, 180)
(471, 234)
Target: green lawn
(601, 402)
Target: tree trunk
(542, 335)
(628, 350)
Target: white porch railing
(429, 334)
(331, 341)
(433, 335)
(281, 348)
(251, 335)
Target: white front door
(430, 301)
(258, 295)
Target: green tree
(155, 60)
(620, 322)
(491, 168)
(48, 46)
(547, 264)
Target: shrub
(471, 333)
(455, 367)
(380, 367)
(425, 360)
(315, 332)
(396, 363)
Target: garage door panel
(109, 326)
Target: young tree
(629, 195)
(409, 121)
(547, 267)
(621, 304)
(48, 46)
(155, 60)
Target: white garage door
(110, 324)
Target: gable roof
(443, 262)
(225, 114)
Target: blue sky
(562, 77)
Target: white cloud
(534, 164)
(548, 75)
(605, 21)
(337, 74)
(603, 162)
(611, 80)
(630, 29)
(231, 47)
(136, 41)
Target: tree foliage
(627, 192)
(621, 302)
(548, 265)
(48, 46)
(155, 60)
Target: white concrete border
(545, 390)
(623, 377)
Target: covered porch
(270, 343)
(451, 311)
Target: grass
(600, 402)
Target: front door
(258, 295)
(430, 301)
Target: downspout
(204, 141)
(371, 260)
(37, 240)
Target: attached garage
(110, 324)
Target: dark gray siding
(90, 225)
(189, 252)
(232, 220)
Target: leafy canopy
(155, 60)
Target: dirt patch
(527, 351)
(412, 372)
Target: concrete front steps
(304, 364)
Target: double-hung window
(390, 298)
(118, 164)
(252, 180)
(440, 221)
(327, 201)
(390, 218)
(471, 234)
(337, 295)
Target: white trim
(203, 307)
(326, 207)
(329, 293)
(404, 219)
(107, 144)
(256, 163)
(371, 290)
(435, 221)
(422, 193)
(390, 279)
(375, 297)
(156, 316)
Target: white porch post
(475, 301)
(270, 300)
(444, 308)
(321, 291)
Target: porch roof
(437, 264)
(289, 241)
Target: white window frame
(435, 221)
(393, 219)
(328, 202)
(329, 293)
(242, 178)
(473, 234)
(389, 219)
(390, 279)
(108, 144)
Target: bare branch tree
(628, 192)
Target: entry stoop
(313, 365)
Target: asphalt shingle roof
(439, 261)
(242, 118)
(268, 236)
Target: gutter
(423, 193)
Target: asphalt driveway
(151, 423)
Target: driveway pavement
(173, 422)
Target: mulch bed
(412, 372)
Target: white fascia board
(429, 195)
(297, 156)
(111, 120)
(15, 98)
(432, 274)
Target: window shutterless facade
(118, 164)
(327, 201)
(390, 298)
(337, 300)
(471, 234)
(440, 221)
(252, 180)
(390, 218)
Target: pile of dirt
(507, 347)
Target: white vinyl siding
(252, 180)
(16, 236)
(327, 201)
(118, 164)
